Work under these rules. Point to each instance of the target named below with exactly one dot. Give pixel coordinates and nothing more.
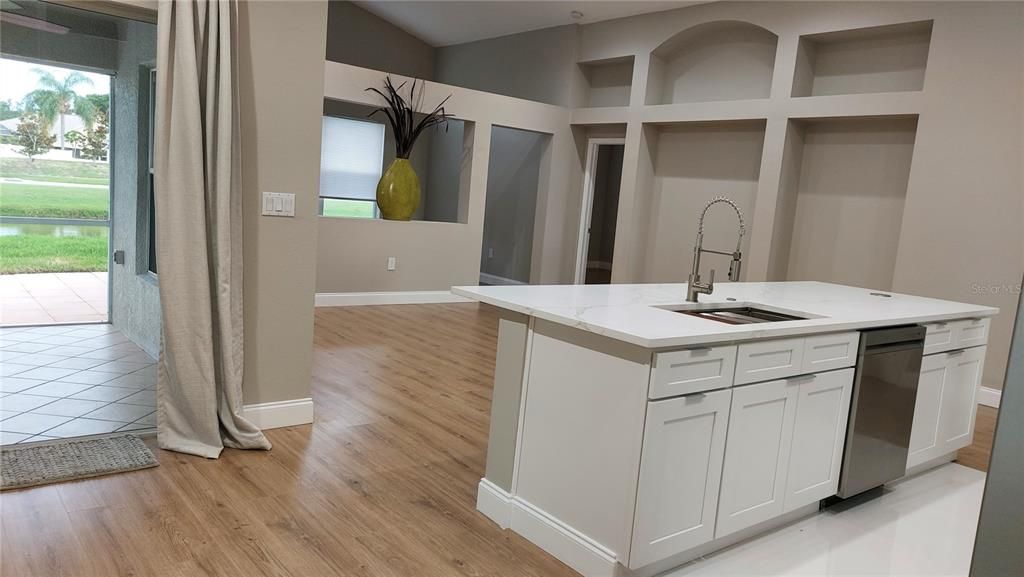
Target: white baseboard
(494, 502)
(280, 413)
(562, 541)
(387, 298)
(989, 397)
(495, 280)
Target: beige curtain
(199, 228)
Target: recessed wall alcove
(686, 165)
(841, 196)
(722, 60)
(607, 82)
(888, 58)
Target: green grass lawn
(38, 248)
(348, 208)
(75, 172)
(40, 200)
(29, 253)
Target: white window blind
(351, 158)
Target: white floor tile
(68, 407)
(11, 438)
(120, 412)
(20, 402)
(11, 369)
(144, 397)
(40, 359)
(104, 393)
(76, 363)
(47, 373)
(80, 427)
(31, 423)
(921, 526)
(27, 347)
(16, 385)
(121, 367)
(57, 389)
(89, 377)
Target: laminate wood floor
(383, 484)
(976, 456)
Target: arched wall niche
(714, 61)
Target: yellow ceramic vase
(398, 192)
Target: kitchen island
(632, 431)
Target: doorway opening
(79, 303)
(599, 211)
(54, 194)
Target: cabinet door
(819, 435)
(924, 433)
(680, 471)
(959, 405)
(757, 454)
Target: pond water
(58, 230)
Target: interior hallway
(384, 483)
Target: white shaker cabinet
(946, 405)
(684, 442)
(819, 436)
(757, 455)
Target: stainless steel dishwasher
(882, 408)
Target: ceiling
(442, 23)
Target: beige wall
(959, 237)
(352, 253)
(281, 75)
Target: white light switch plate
(278, 204)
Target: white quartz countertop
(631, 313)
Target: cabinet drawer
(828, 352)
(692, 371)
(768, 360)
(939, 337)
(970, 332)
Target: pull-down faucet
(694, 286)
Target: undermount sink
(739, 315)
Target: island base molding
(584, 555)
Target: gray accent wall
(361, 38)
(513, 176)
(135, 306)
(539, 65)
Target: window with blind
(351, 163)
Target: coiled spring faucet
(694, 287)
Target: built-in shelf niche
(608, 82)
(841, 196)
(723, 60)
(683, 166)
(889, 58)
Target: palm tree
(54, 98)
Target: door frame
(587, 205)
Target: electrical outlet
(490, 253)
(392, 262)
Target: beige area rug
(70, 459)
